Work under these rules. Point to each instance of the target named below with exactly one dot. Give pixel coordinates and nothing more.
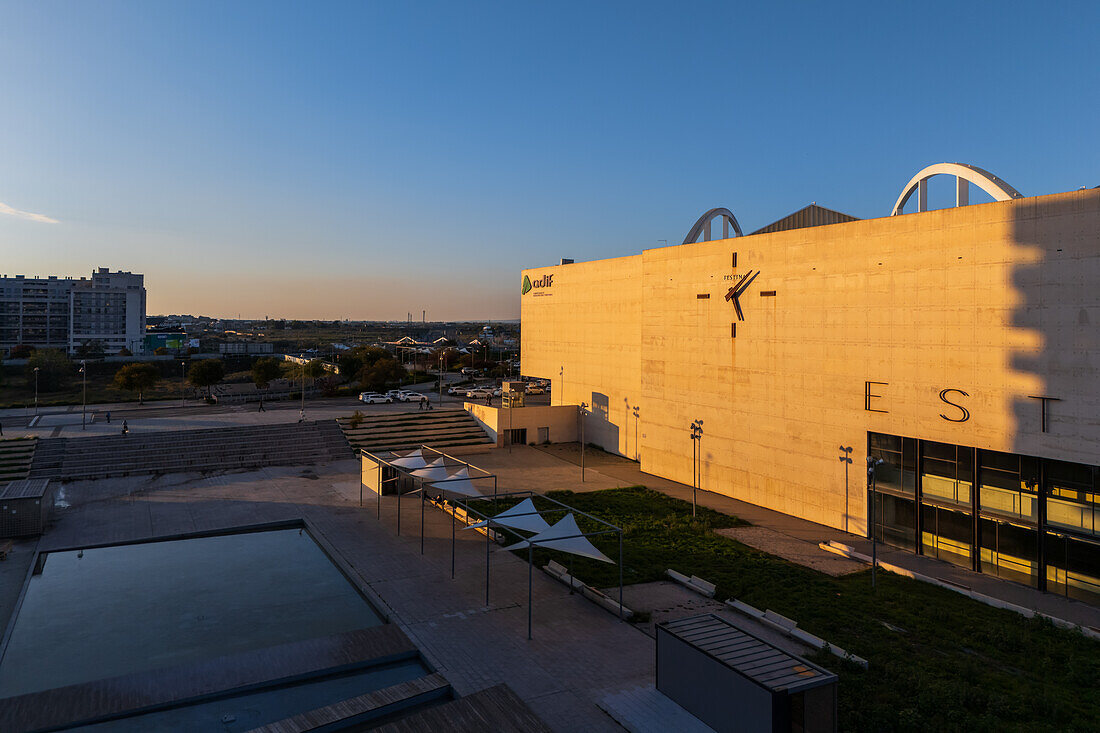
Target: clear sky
(370, 159)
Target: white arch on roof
(965, 174)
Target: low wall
(560, 421)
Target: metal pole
(302, 414)
(487, 565)
(381, 484)
(183, 369)
(452, 506)
(84, 406)
(874, 544)
(620, 573)
(398, 506)
(583, 405)
(530, 565)
(421, 517)
(36, 391)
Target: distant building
(245, 347)
(65, 313)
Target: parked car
(470, 372)
(498, 391)
(479, 393)
(372, 398)
(535, 389)
(457, 390)
(412, 397)
(394, 393)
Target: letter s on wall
(965, 412)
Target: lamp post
(441, 377)
(36, 391)
(183, 369)
(84, 405)
(696, 437)
(872, 464)
(302, 413)
(637, 453)
(584, 406)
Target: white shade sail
(410, 460)
(564, 536)
(434, 471)
(464, 487)
(522, 516)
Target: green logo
(526, 286)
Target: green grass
(956, 664)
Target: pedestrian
(1, 428)
(108, 417)
(420, 405)
(261, 405)
(125, 428)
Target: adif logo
(543, 282)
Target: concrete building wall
(1000, 301)
(560, 421)
(583, 332)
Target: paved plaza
(579, 654)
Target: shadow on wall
(1057, 356)
(631, 417)
(598, 427)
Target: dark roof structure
(766, 665)
(810, 216)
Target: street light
(637, 453)
(441, 377)
(183, 368)
(84, 406)
(584, 406)
(302, 414)
(36, 391)
(872, 464)
(696, 455)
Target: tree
(265, 371)
(21, 351)
(137, 378)
(92, 349)
(54, 370)
(350, 364)
(124, 352)
(205, 373)
(376, 376)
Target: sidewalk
(604, 470)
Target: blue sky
(365, 160)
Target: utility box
(24, 507)
(734, 681)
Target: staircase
(215, 449)
(440, 429)
(15, 458)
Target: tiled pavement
(579, 653)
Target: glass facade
(1031, 520)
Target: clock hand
(737, 307)
(744, 284)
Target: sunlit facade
(959, 346)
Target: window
(1009, 485)
(1010, 551)
(947, 474)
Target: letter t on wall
(868, 395)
